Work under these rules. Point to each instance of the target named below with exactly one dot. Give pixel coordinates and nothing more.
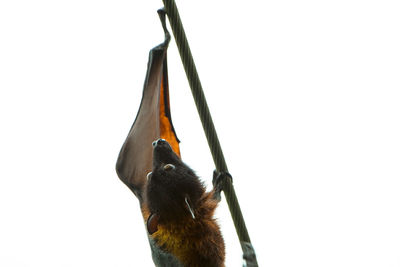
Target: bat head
(173, 189)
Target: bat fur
(178, 213)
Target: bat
(176, 209)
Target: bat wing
(153, 121)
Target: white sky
(304, 95)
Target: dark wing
(153, 121)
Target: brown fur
(193, 241)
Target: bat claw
(219, 179)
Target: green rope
(208, 125)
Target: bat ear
(152, 223)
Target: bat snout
(159, 142)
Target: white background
(304, 96)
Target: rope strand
(208, 125)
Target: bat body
(179, 212)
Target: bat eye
(169, 167)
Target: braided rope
(206, 120)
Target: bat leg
(218, 183)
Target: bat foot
(219, 180)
